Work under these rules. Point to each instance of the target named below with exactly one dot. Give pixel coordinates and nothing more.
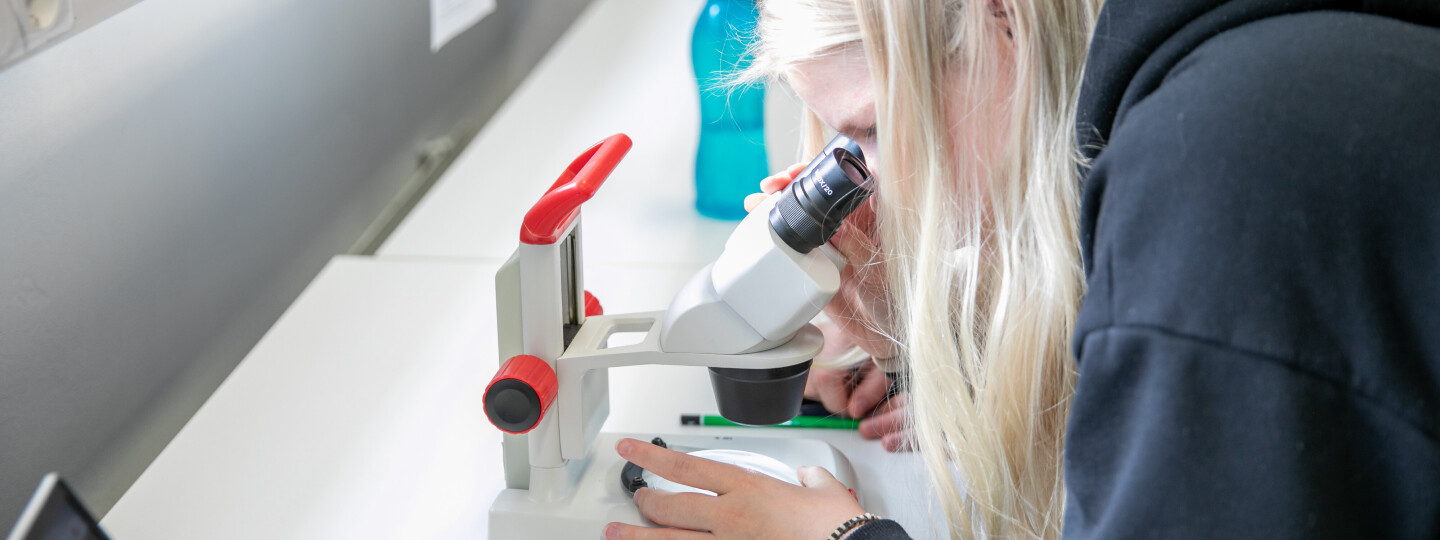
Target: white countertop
(359, 414)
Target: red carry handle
(555, 210)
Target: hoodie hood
(1137, 42)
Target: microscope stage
(599, 498)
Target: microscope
(745, 317)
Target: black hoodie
(1259, 346)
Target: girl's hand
(859, 392)
(747, 504)
(840, 383)
(887, 423)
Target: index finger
(778, 181)
(795, 169)
(873, 386)
(772, 184)
(681, 468)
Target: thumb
(817, 478)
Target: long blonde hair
(981, 255)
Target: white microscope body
(755, 296)
(745, 316)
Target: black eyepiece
(810, 209)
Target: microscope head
(768, 283)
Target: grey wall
(172, 177)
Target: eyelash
(870, 133)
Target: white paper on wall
(450, 18)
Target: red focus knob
(518, 396)
(592, 305)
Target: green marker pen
(824, 422)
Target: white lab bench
(359, 414)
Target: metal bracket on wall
(432, 158)
(29, 26)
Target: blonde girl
(1230, 186)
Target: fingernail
(612, 532)
(623, 448)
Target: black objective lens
(811, 208)
(760, 397)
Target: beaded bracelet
(853, 523)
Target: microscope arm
(583, 406)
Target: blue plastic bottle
(730, 160)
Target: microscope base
(598, 498)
